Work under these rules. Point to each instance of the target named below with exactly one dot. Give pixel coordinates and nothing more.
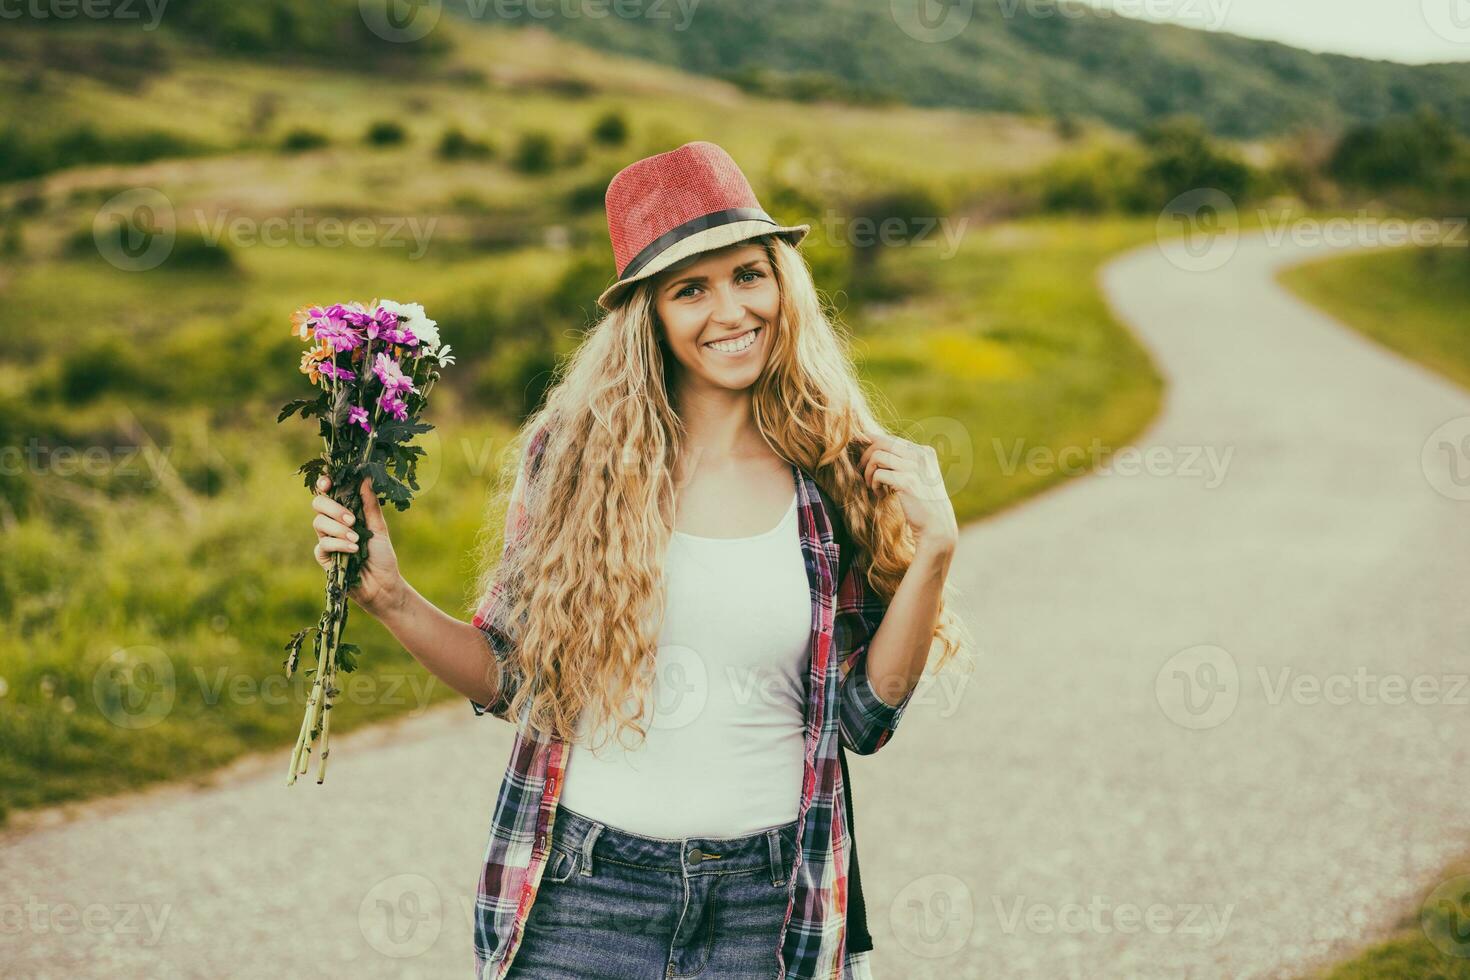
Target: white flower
(445, 358)
(412, 316)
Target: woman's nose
(728, 307)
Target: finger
(372, 511)
(332, 509)
(894, 481)
(880, 442)
(326, 526)
(911, 483)
(882, 458)
(323, 483)
(334, 544)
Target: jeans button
(695, 856)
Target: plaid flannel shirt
(841, 705)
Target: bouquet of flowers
(374, 367)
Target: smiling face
(717, 315)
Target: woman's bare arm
(451, 649)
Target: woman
(678, 528)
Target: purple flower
(330, 370)
(391, 374)
(338, 333)
(360, 416)
(393, 405)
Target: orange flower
(309, 366)
(300, 326)
(311, 357)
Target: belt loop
(587, 843)
(778, 872)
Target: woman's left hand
(911, 470)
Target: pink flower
(393, 405)
(337, 332)
(360, 416)
(390, 373)
(330, 370)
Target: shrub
(611, 129)
(534, 153)
(1181, 157)
(1400, 150)
(385, 132)
(455, 145)
(301, 139)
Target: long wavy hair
(587, 597)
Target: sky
(1413, 31)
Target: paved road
(1128, 786)
(1279, 832)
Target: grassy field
(157, 540)
(145, 600)
(1413, 301)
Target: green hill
(1062, 59)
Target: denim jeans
(622, 906)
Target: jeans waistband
(773, 849)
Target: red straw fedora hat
(669, 206)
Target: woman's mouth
(735, 346)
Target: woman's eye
(751, 272)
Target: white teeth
(735, 346)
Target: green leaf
(347, 656)
(312, 469)
(394, 431)
(294, 406)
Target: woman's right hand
(380, 581)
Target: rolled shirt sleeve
(866, 721)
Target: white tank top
(726, 713)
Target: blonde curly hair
(587, 601)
